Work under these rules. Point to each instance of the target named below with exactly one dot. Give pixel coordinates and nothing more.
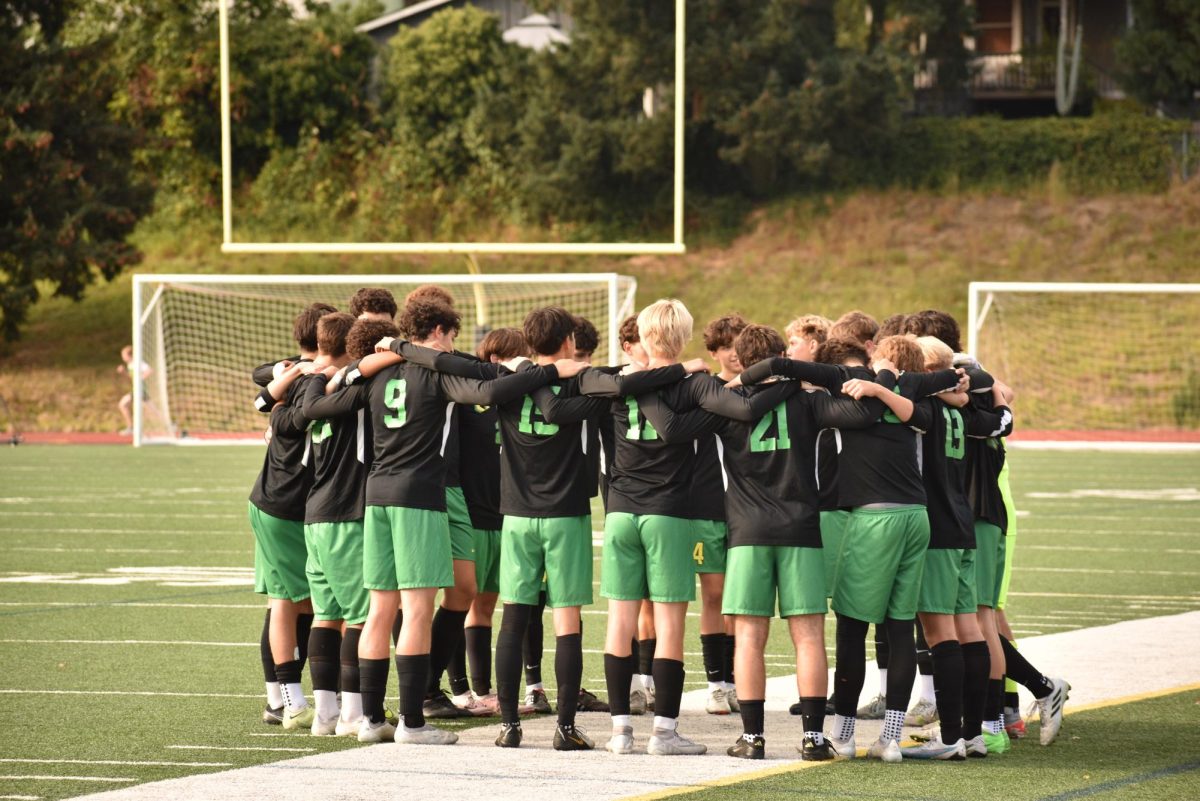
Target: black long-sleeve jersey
(985, 456)
(282, 486)
(341, 438)
(479, 449)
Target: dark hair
(856, 325)
(421, 317)
(891, 326)
(934, 323)
(361, 339)
(547, 328)
(758, 342)
(721, 332)
(628, 331)
(373, 300)
(331, 333)
(841, 350)
(304, 329)
(430, 293)
(503, 342)
(587, 338)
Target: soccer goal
(199, 337)
(1094, 365)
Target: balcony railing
(1017, 75)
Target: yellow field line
(1129, 699)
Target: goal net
(1094, 364)
(198, 337)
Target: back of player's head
(891, 326)
(504, 343)
(304, 329)
(547, 328)
(332, 329)
(934, 323)
(722, 332)
(430, 292)
(664, 327)
(628, 332)
(758, 342)
(938, 355)
(809, 326)
(373, 300)
(421, 318)
(587, 338)
(839, 350)
(363, 335)
(856, 325)
(903, 351)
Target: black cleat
(794, 709)
(510, 735)
(571, 738)
(439, 706)
(748, 746)
(811, 752)
(273, 716)
(588, 702)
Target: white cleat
(936, 749)
(637, 702)
(731, 697)
(348, 728)
(886, 750)
(922, 713)
(621, 741)
(1050, 710)
(376, 732)
(426, 735)
(843, 749)
(976, 747)
(322, 727)
(718, 702)
(669, 742)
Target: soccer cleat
(491, 701)
(933, 749)
(588, 702)
(376, 732)
(669, 742)
(812, 751)
(472, 704)
(977, 747)
(324, 728)
(1050, 710)
(1013, 723)
(572, 738)
(348, 728)
(923, 713)
(718, 704)
(650, 699)
(885, 750)
(731, 697)
(439, 706)
(272, 715)
(637, 702)
(536, 699)
(426, 735)
(510, 735)
(391, 717)
(294, 719)
(797, 709)
(873, 709)
(843, 749)
(748, 746)
(925, 735)
(621, 741)
(996, 743)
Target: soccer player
(373, 303)
(858, 326)
(805, 335)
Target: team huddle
(851, 465)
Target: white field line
(134, 604)
(1109, 572)
(115, 779)
(149, 693)
(133, 642)
(1034, 531)
(125, 515)
(21, 797)
(31, 549)
(120, 762)
(1180, 518)
(241, 748)
(1090, 549)
(158, 532)
(1106, 596)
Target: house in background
(521, 24)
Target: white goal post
(1093, 365)
(198, 337)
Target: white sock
(713, 686)
(993, 726)
(729, 685)
(622, 721)
(893, 724)
(669, 724)
(927, 688)
(843, 728)
(535, 686)
(648, 682)
(883, 681)
(817, 737)
(274, 695)
(635, 684)
(351, 707)
(326, 703)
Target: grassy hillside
(881, 252)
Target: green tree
(69, 196)
(1160, 56)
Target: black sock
(977, 663)
(264, 650)
(812, 713)
(850, 671)
(634, 649)
(924, 660)
(902, 663)
(618, 675)
(397, 624)
(730, 642)
(349, 658)
(478, 642)
(372, 683)
(288, 672)
(447, 633)
(413, 672)
(456, 671)
(646, 657)
(1019, 670)
(532, 645)
(513, 625)
(303, 627)
(752, 716)
(568, 674)
(948, 688)
(993, 706)
(1012, 700)
(324, 658)
(712, 646)
(668, 687)
(881, 645)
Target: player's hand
(956, 399)
(306, 368)
(695, 366)
(514, 364)
(384, 345)
(280, 368)
(964, 384)
(858, 389)
(1006, 392)
(881, 364)
(267, 436)
(569, 368)
(735, 383)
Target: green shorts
(948, 583)
(883, 555)
(462, 535)
(833, 532)
(487, 560)
(557, 550)
(759, 574)
(279, 556)
(989, 562)
(648, 556)
(335, 571)
(1010, 535)
(406, 549)
(708, 553)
